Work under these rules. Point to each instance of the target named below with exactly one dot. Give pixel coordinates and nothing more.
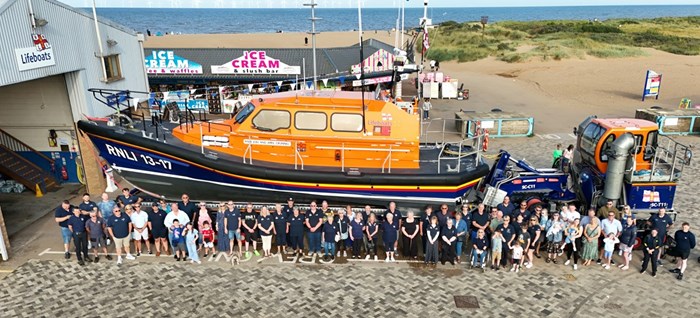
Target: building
(50, 55)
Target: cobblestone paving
(269, 289)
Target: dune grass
(559, 40)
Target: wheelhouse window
(271, 120)
(244, 112)
(590, 138)
(113, 69)
(346, 122)
(652, 142)
(310, 121)
(606, 147)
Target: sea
(199, 21)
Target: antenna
(362, 68)
(313, 34)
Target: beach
(558, 94)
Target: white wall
(72, 37)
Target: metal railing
(668, 160)
(475, 150)
(297, 156)
(16, 145)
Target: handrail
(249, 149)
(230, 129)
(388, 157)
(362, 149)
(297, 154)
(42, 172)
(14, 144)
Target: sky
(353, 3)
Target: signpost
(484, 21)
(652, 85)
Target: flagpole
(362, 69)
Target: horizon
(347, 4)
(394, 8)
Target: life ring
(485, 144)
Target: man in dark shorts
(279, 219)
(685, 241)
(250, 225)
(95, 227)
(76, 224)
(156, 225)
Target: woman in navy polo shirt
(296, 231)
(389, 233)
(357, 227)
(343, 223)
(372, 231)
(265, 227)
(449, 240)
(432, 236)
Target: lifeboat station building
(50, 55)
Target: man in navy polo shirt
(288, 210)
(232, 227)
(76, 224)
(480, 221)
(509, 233)
(61, 216)
(661, 222)
(86, 206)
(119, 227)
(506, 207)
(189, 208)
(398, 220)
(295, 226)
(126, 198)
(314, 219)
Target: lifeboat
(302, 144)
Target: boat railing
(388, 158)
(466, 147)
(248, 154)
(386, 165)
(438, 131)
(297, 157)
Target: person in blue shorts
(232, 227)
(61, 216)
(330, 230)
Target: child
(609, 247)
(178, 241)
(517, 256)
(328, 235)
(496, 248)
(433, 233)
(207, 238)
(191, 235)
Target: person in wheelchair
(479, 250)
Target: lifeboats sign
(166, 62)
(255, 62)
(39, 55)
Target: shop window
(113, 69)
(310, 121)
(346, 122)
(271, 120)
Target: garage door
(30, 109)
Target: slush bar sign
(166, 62)
(255, 62)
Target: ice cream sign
(255, 62)
(166, 62)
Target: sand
(558, 94)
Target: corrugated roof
(329, 61)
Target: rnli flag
(426, 40)
(40, 42)
(651, 196)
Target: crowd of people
(505, 237)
